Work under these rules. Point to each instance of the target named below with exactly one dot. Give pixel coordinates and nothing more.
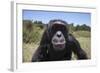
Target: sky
(70, 17)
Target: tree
(82, 27)
(27, 24)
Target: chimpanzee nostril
(59, 35)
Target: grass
(28, 51)
(79, 34)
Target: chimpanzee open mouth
(59, 46)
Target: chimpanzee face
(58, 36)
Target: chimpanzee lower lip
(59, 46)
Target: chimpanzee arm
(41, 52)
(76, 48)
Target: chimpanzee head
(58, 32)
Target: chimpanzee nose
(59, 34)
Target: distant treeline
(82, 27)
(32, 31)
(71, 26)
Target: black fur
(46, 52)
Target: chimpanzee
(58, 44)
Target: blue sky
(69, 17)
